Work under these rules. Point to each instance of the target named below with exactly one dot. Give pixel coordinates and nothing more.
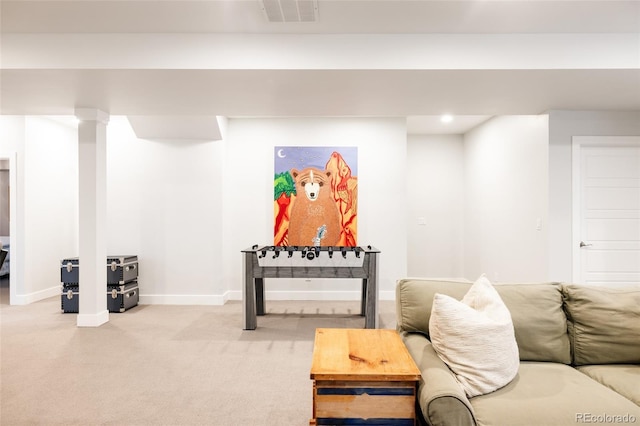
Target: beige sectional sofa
(579, 350)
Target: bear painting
(315, 196)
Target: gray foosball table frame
(254, 276)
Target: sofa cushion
(538, 318)
(604, 324)
(414, 297)
(622, 378)
(475, 338)
(552, 394)
(539, 321)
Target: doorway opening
(8, 202)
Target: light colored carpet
(164, 365)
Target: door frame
(578, 142)
(13, 224)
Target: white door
(607, 211)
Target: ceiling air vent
(290, 10)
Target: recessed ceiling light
(447, 118)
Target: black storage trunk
(120, 270)
(70, 298)
(119, 297)
(122, 297)
(122, 283)
(69, 273)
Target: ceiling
(382, 58)
(334, 16)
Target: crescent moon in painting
(280, 154)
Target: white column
(92, 245)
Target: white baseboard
(92, 320)
(182, 299)
(313, 295)
(25, 299)
(214, 299)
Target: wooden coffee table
(363, 377)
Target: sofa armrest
(440, 398)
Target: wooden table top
(361, 355)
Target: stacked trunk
(122, 283)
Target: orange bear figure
(313, 207)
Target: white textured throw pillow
(475, 338)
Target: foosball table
(262, 262)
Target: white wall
(506, 192)
(189, 208)
(46, 193)
(248, 195)
(51, 202)
(563, 125)
(435, 206)
(164, 204)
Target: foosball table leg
(363, 298)
(248, 293)
(259, 296)
(371, 306)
